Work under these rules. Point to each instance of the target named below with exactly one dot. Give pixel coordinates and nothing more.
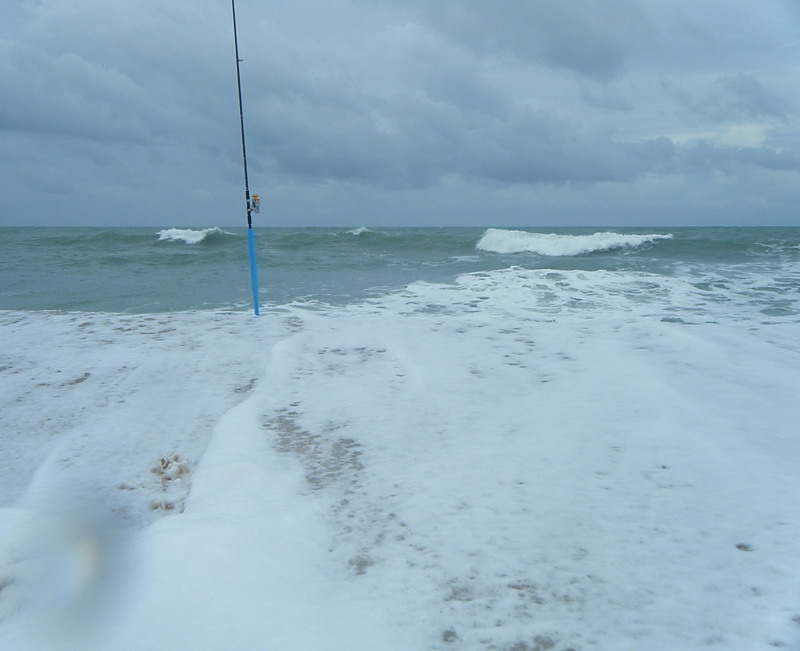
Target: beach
(510, 440)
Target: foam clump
(169, 469)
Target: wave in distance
(190, 236)
(499, 240)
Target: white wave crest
(499, 240)
(191, 236)
(359, 231)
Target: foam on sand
(472, 465)
(499, 240)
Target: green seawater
(137, 270)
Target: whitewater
(512, 241)
(508, 439)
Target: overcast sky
(401, 112)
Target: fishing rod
(252, 203)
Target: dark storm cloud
(417, 143)
(466, 89)
(394, 101)
(134, 63)
(435, 110)
(590, 38)
(67, 95)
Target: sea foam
(500, 240)
(190, 236)
(431, 418)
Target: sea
(430, 438)
(680, 273)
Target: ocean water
(140, 270)
(431, 439)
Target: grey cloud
(538, 148)
(146, 66)
(731, 97)
(415, 101)
(592, 39)
(604, 100)
(585, 37)
(416, 141)
(68, 95)
(742, 95)
(705, 155)
(434, 111)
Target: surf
(498, 240)
(189, 236)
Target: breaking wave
(189, 236)
(498, 240)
